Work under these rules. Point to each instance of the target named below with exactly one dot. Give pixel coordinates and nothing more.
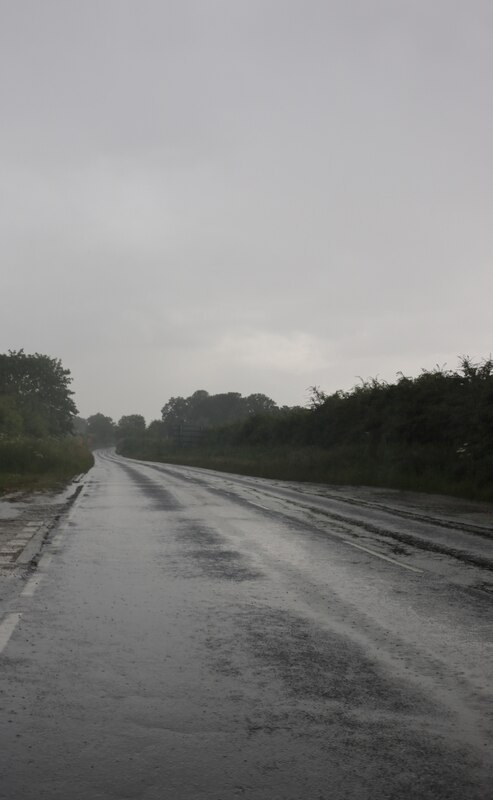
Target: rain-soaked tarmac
(195, 636)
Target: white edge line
(7, 627)
(384, 558)
(360, 547)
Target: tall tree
(176, 411)
(130, 425)
(260, 404)
(101, 430)
(38, 386)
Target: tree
(156, 430)
(176, 411)
(11, 421)
(131, 425)
(101, 430)
(260, 404)
(38, 387)
(214, 410)
(80, 426)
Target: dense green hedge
(432, 433)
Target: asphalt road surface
(191, 635)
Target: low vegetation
(429, 433)
(38, 448)
(28, 463)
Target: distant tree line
(214, 410)
(98, 429)
(200, 411)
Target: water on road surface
(189, 635)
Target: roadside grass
(14, 482)
(47, 463)
(420, 471)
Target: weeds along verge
(343, 466)
(26, 461)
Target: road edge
(29, 556)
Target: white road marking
(384, 558)
(7, 627)
(361, 547)
(31, 586)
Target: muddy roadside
(26, 519)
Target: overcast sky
(244, 195)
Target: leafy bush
(429, 433)
(27, 460)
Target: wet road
(195, 636)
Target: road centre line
(7, 627)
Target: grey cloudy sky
(244, 195)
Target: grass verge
(411, 471)
(48, 463)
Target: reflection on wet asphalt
(191, 638)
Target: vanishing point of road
(192, 635)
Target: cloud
(256, 196)
(295, 353)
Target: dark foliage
(130, 432)
(35, 398)
(214, 410)
(100, 430)
(37, 414)
(433, 432)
